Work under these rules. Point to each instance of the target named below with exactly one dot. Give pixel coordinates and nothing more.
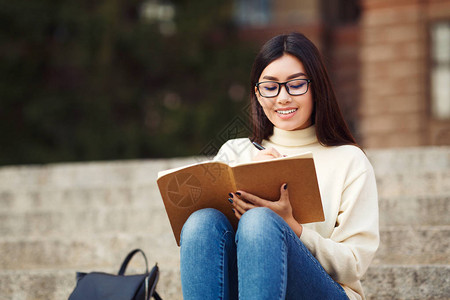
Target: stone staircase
(59, 219)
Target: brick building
(389, 60)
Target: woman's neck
(294, 138)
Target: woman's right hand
(266, 154)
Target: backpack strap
(155, 270)
(129, 257)
(156, 296)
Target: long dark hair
(331, 129)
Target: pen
(258, 146)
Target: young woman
(272, 256)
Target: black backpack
(104, 286)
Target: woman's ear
(257, 95)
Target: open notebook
(207, 184)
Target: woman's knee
(257, 216)
(204, 223)
(258, 221)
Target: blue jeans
(263, 260)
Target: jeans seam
(222, 266)
(284, 257)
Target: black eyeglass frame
(308, 81)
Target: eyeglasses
(295, 87)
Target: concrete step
(381, 282)
(130, 217)
(94, 174)
(415, 210)
(77, 197)
(87, 175)
(406, 245)
(100, 251)
(152, 220)
(116, 183)
(412, 282)
(409, 160)
(414, 245)
(413, 184)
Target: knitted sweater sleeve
(347, 253)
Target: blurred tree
(117, 79)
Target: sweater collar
(294, 138)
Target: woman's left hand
(243, 201)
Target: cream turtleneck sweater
(346, 241)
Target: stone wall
(394, 54)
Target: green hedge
(94, 80)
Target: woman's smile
(286, 113)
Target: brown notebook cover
(207, 184)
